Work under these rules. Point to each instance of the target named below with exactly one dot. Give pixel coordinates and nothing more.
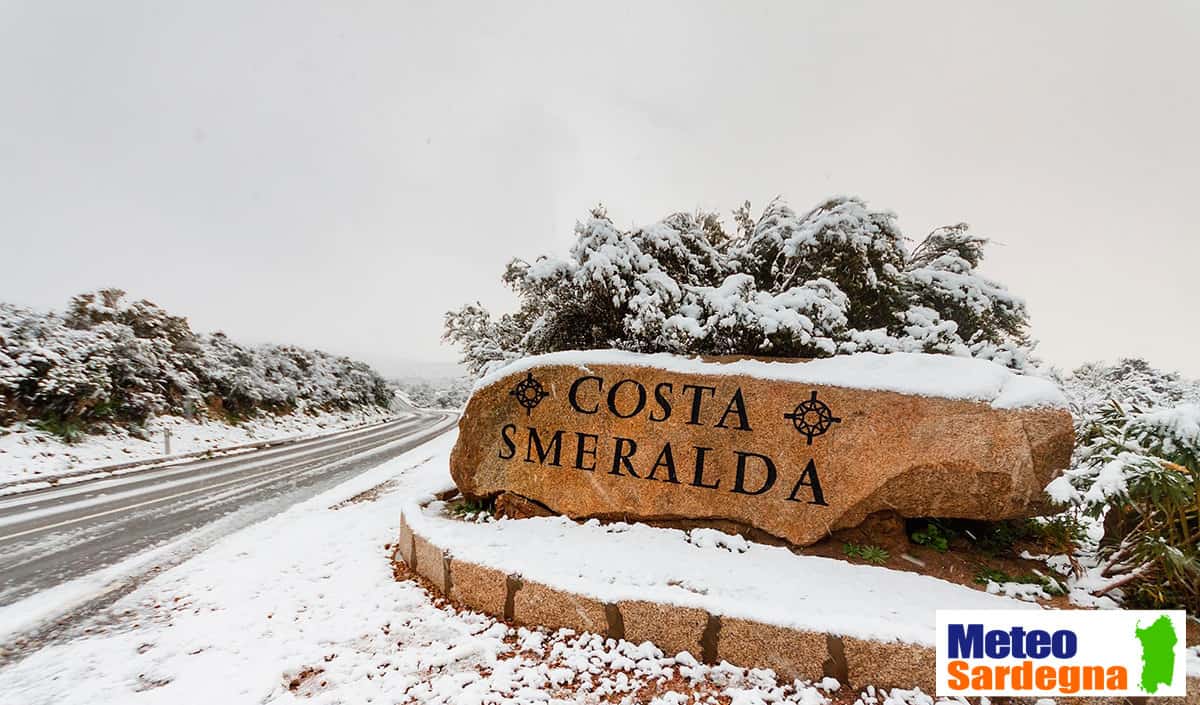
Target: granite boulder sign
(796, 450)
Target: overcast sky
(339, 174)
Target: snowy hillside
(109, 362)
(436, 392)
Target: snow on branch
(107, 359)
(836, 279)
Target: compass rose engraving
(812, 417)
(529, 393)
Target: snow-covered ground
(304, 607)
(706, 569)
(30, 455)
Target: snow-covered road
(304, 607)
(80, 546)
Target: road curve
(53, 535)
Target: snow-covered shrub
(1132, 382)
(1137, 463)
(436, 393)
(941, 277)
(107, 359)
(1143, 468)
(483, 339)
(837, 279)
(736, 316)
(859, 250)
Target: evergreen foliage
(1145, 468)
(839, 278)
(1137, 464)
(437, 393)
(109, 360)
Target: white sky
(340, 174)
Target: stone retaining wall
(791, 653)
(711, 638)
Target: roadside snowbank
(28, 454)
(906, 373)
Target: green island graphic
(1158, 653)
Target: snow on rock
(768, 584)
(906, 373)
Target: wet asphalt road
(54, 535)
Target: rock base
(712, 638)
(790, 653)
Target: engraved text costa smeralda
(753, 473)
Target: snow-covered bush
(109, 360)
(1137, 463)
(436, 393)
(1132, 382)
(1143, 468)
(837, 279)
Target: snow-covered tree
(483, 340)
(941, 276)
(736, 317)
(859, 250)
(836, 279)
(1132, 382)
(109, 360)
